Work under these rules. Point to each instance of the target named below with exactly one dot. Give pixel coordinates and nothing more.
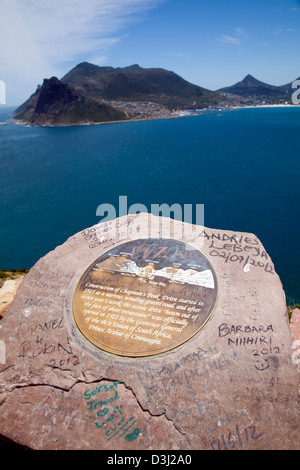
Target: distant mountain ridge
(254, 90)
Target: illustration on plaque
(191, 276)
(145, 297)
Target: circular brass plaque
(145, 297)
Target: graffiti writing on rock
(103, 400)
(57, 352)
(239, 249)
(238, 438)
(259, 338)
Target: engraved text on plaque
(145, 297)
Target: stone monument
(150, 333)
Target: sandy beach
(268, 106)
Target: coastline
(178, 114)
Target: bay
(243, 165)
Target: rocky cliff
(57, 103)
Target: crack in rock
(153, 415)
(103, 379)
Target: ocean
(243, 165)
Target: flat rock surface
(219, 370)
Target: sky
(211, 43)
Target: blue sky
(212, 43)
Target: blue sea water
(243, 165)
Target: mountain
(136, 84)
(89, 93)
(252, 90)
(250, 85)
(288, 87)
(57, 103)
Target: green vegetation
(135, 83)
(11, 274)
(86, 110)
(290, 309)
